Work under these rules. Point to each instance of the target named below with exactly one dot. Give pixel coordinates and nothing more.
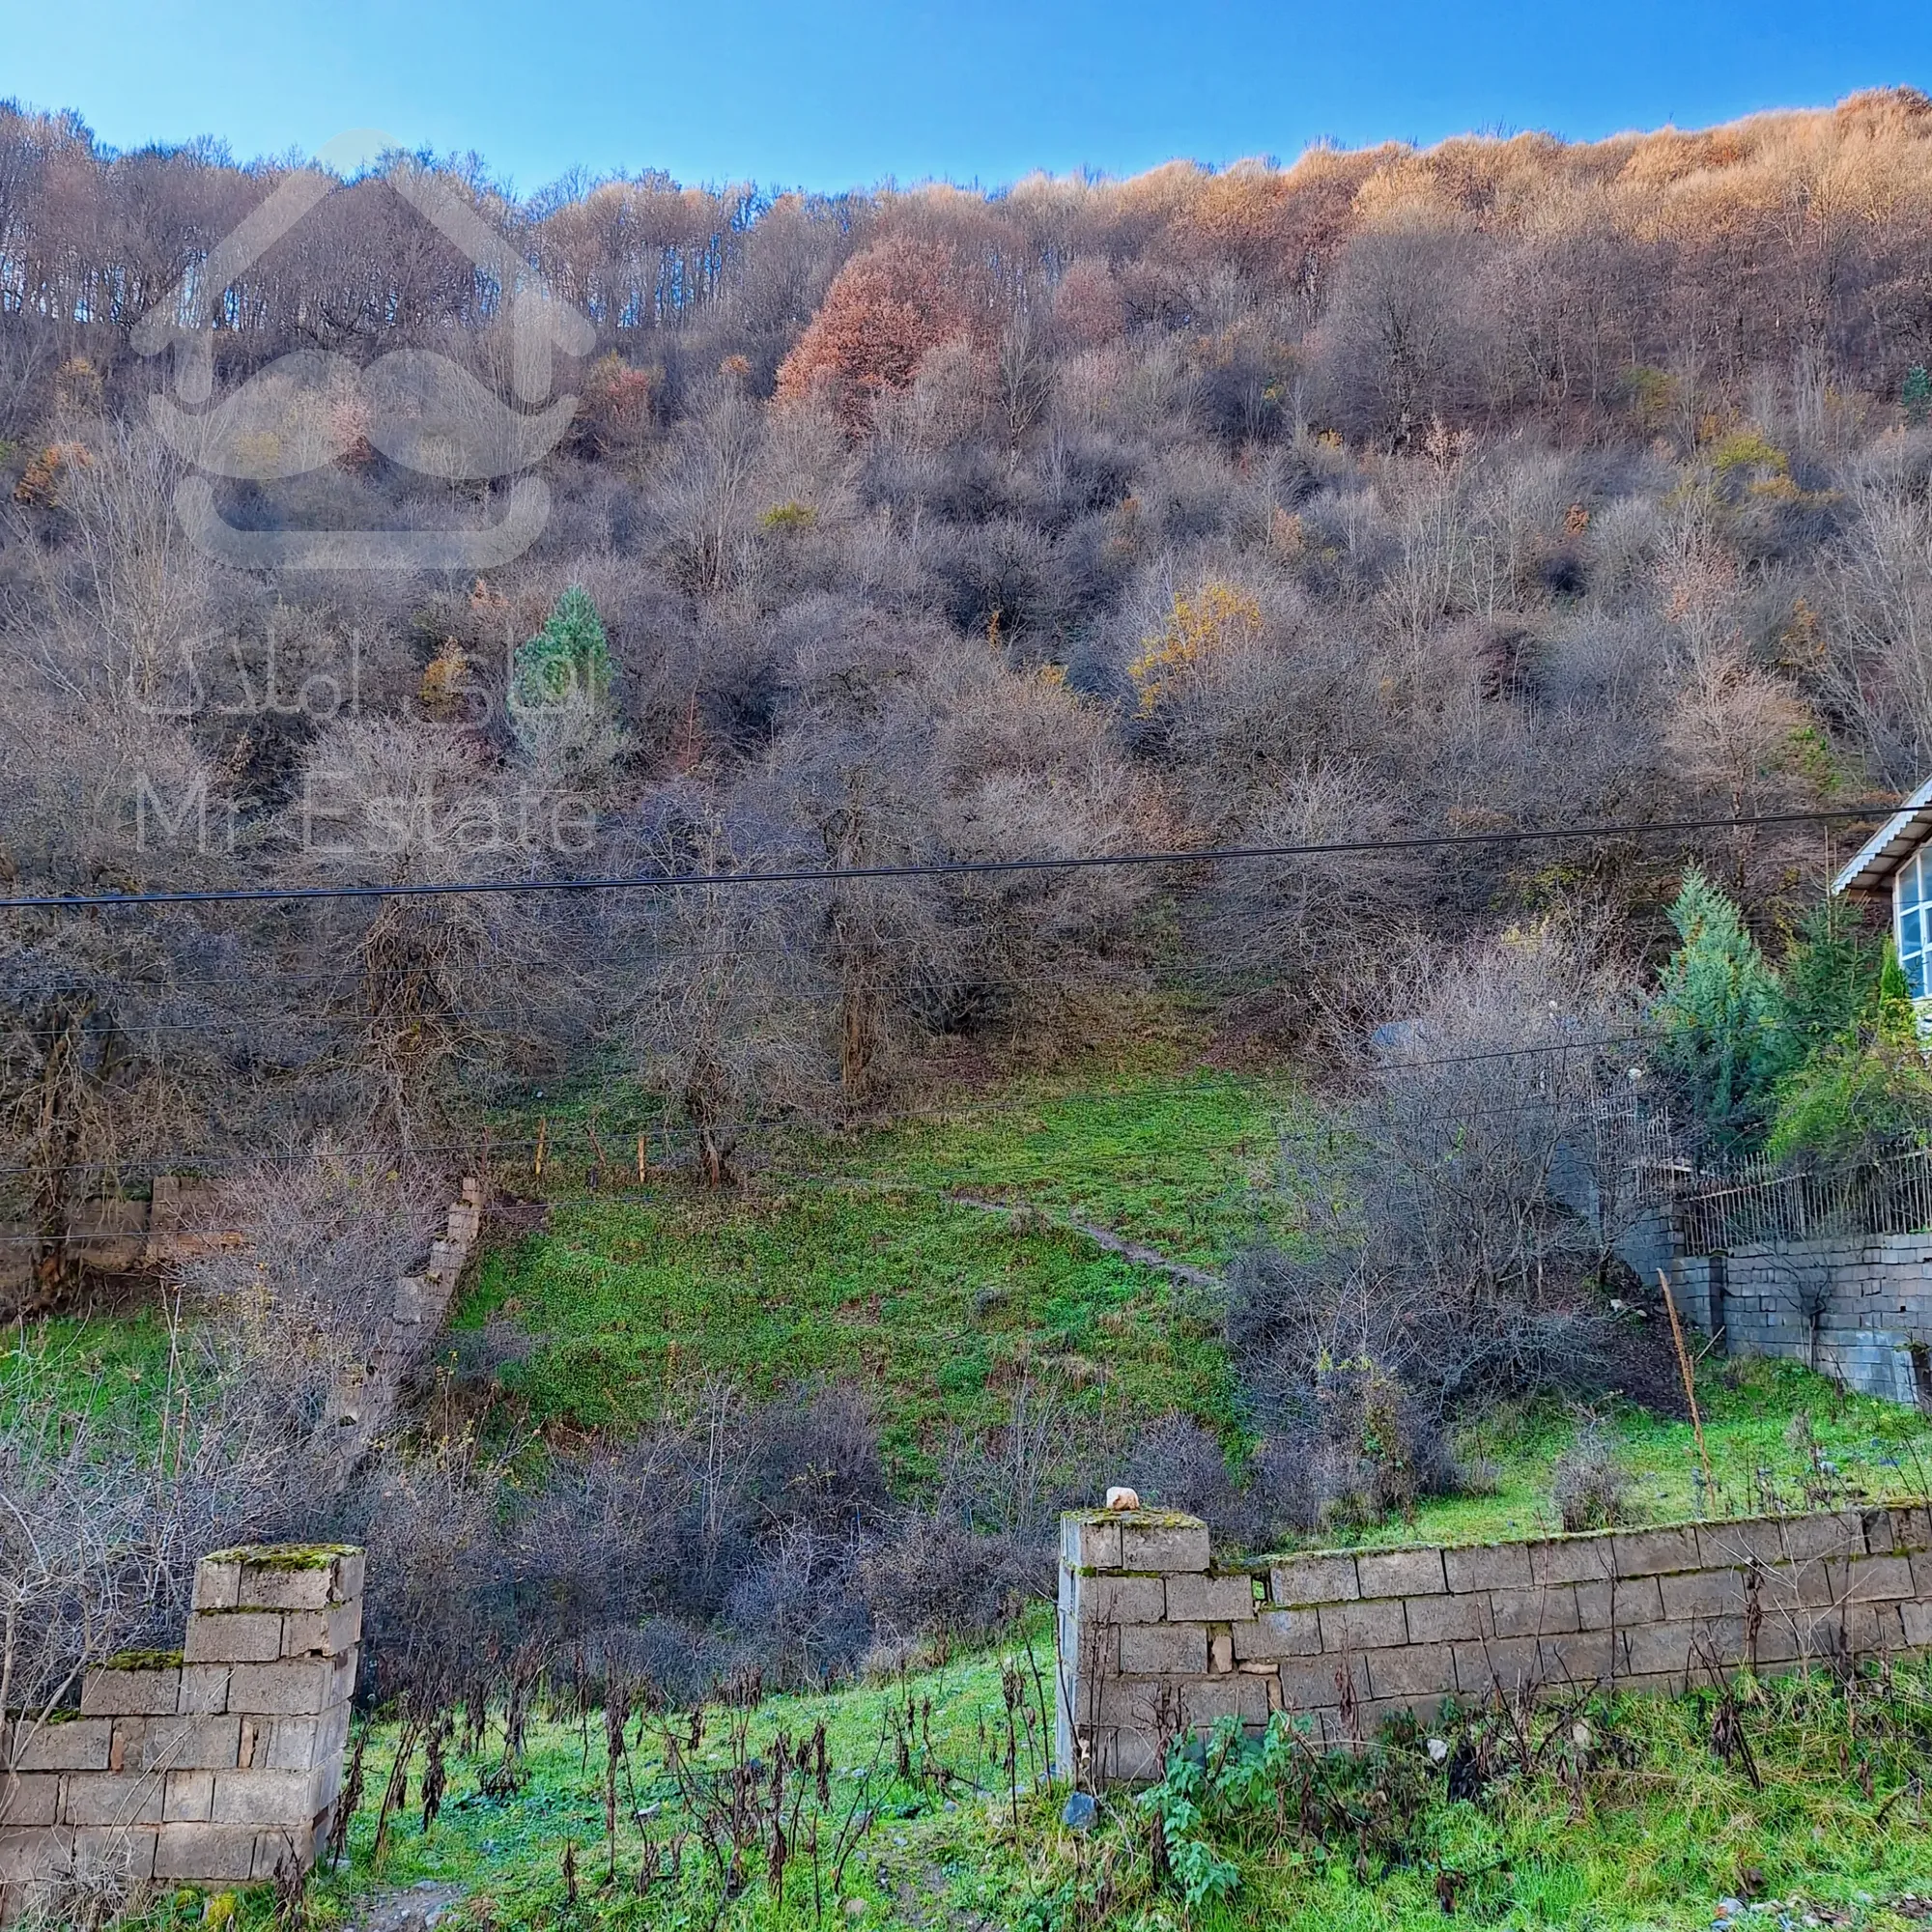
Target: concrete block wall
(1155, 1642)
(121, 1236)
(1859, 1309)
(213, 1765)
(365, 1399)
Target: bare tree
(84, 1099)
(1457, 1221)
(705, 503)
(1399, 336)
(1483, 1094)
(726, 1025)
(307, 1292)
(1881, 670)
(424, 984)
(146, 580)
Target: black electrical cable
(930, 869)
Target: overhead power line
(1579, 1044)
(927, 870)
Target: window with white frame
(1913, 899)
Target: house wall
(209, 1765)
(1859, 1309)
(1154, 1640)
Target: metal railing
(1891, 1195)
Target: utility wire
(930, 869)
(1513, 1052)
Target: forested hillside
(1394, 500)
(1394, 493)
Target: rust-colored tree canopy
(891, 307)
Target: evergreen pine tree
(1915, 395)
(1831, 976)
(569, 654)
(1720, 1008)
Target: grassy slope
(111, 1369)
(859, 1262)
(851, 1258)
(1651, 1834)
(854, 1258)
(1758, 1446)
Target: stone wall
(114, 1236)
(211, 1766)
(1859, 1309)
(367, 1393)
(1155, 1641)
(183, 1219)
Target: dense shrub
(744, 1539)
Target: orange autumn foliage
(616, 405)
(40, 482)
(1220, 618)
(890, 305)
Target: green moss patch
(285, 1556)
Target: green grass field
(1183, 1160)
(865, 1259)
(112, 1370)
(860, 1259)
(939, 1310)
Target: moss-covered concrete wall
(1155, 1641)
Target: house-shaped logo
(309, 408)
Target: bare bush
(1358, 1449)
(1481, 1115)
(1400, 340)
(104, 1513)
(89, 1890)
(146, 579)
(1178, 1464)
(1590, 1486)
(1882, 666)
(309, 1287)
(1476, 1197)
(932, 1577)
(733, 1539)
(726, 1024)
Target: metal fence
(1889, 1196)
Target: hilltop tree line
(1394, 493)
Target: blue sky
(835, 95)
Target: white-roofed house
(1897, 862)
